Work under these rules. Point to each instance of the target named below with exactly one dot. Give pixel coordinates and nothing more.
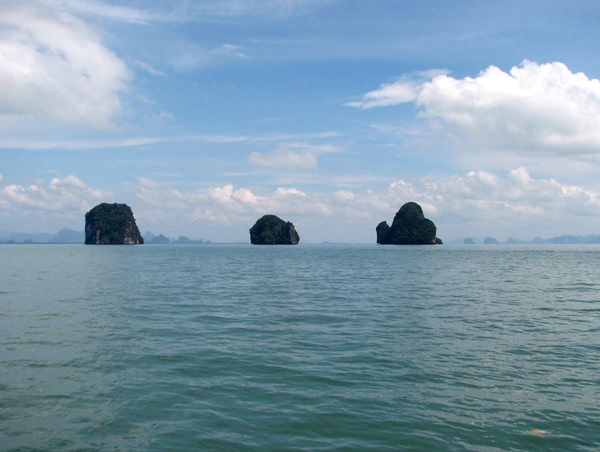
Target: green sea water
(299, 348)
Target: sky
(203, 116)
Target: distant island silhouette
(162, 239)
(589, 239)
(71, 236)
(409, 227)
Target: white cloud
(229, 50)
(83, 144)
(219, 139)
(534, 109)
(299, 136)
(389, 94)
(189, 56)
(292, 156)
(261, 8)
(161, 117)
(149, 69)
(344, 195)
(66, 196)
(225, 199)
(484, 203)
(53, 66)
(221, 212)
(185, 11)
(281, 191)
(102, 9)
(404, 90)
(284, 157)
(475, 203)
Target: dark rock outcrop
(410, 227)
(272, 230)
(111, 224)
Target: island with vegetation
(272, 230)
(410, 227)
(111, 224)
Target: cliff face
(272, 230)
(410, 227)
(111, 224)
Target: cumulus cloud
(472, 203)
(219, 203)
(63, 196)
(536, 109)
(281, 191)
(475, 203)
(53, 66)
(223, 212)
(483, 202)
(478, 203)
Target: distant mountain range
(563, 239)
(62, 236)
(71, 236)
(160, 239)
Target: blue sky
(203, 116)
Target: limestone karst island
(410, 227)
(111, 224)
(272, 230)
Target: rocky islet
(410, 227)
(115, 224)
(111, 224)
(272, 230)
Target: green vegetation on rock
(272, 230)
(410, 227)
(111, 224)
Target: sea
(324, 347)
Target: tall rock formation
(111, 224)
(410, 227)
(272, 230)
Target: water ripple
(308, 348)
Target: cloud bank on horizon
(475, 201)
(201, 134)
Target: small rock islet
(410, 227)
(111, 224)
(272, 230)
